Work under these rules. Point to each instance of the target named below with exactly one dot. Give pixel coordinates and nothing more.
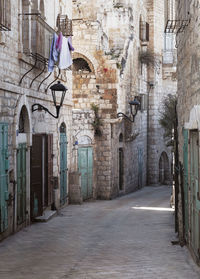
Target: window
(144, 31)
(5, 15)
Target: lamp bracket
(39, 107)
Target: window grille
(144, 31)
(5, 15)
(64, 25)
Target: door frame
(81, 146)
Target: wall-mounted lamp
(136, 104)
(56, 89)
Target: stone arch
(63, 128)
(85, 135)
(23, 123)
(164, 169)
(88, 58)
(22, 107)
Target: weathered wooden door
(3, 176)
(185, 169)
(63, 168)
(36, 177)
(85, 166)
(41, 173)
(194, 184)
(140, 167)
(121, 169)
(21, 183)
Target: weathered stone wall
(13, 96)
(188, 106)
(107, 37)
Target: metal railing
(5, 15)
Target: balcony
(36, 37)
(5, 15)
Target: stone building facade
(188, 109)
(119, 55)
(31, 143)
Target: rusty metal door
(3, 176)
(194, 185)
(21, 183)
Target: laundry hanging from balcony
(61, 48)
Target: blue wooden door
(194, 184)
(63, 168)
(85, 166)
(185, 168)
(21, 183)
(3, 177)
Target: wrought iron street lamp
(58, 91)
(136, 104)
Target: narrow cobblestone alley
(129, 237)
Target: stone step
(47, 215)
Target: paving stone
(102, 240)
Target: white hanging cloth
(65, 55)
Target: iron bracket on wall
(53, 80)
(176, 26)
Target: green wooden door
(3, 176)
(85, 166)
(194, 184)
(63, 168)
(185, 168)
(21, 183)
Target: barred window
(5, 15)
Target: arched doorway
(85, 166)
(23, 131)
(164, 170)
(63, 164)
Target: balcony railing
(170, 57)
(5, 15)
(36, 36)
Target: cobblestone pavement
(119, 239)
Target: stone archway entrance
(23, 130)
(164, 170)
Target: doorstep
(47, 215)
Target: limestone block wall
(106, 36)
(13, 96)
(188, 75)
